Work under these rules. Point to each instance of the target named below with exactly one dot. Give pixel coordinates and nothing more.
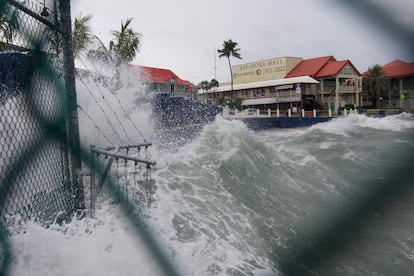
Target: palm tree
(82, 35)
(85, 41)
(229, 49)
(375, 82)
(125, 44)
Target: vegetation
(205, 85)
(214, 83)
(236, 103)
(82, 35)
(230, 49)
(126, 43)
(221, 101)
(121, 50)
(376, 83)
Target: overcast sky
(184, 35)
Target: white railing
(257, 113)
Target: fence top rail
(128, 146)
(122, 156)
(36, 16)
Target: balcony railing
(342, 88)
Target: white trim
(302, 79)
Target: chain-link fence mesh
(40, 174)
(39, 187)
(36, 171)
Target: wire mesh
(35, 170)
(40, 187)
(39, 176)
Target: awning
(270, 83)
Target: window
(258, 92)
(408, 83)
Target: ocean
(335, 198)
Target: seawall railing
(267, 113)
(131, 172)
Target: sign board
(270, 69)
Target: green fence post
(72, 125)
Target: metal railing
(131, 170)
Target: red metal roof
(398, 68)
(333, 68)
(159, 75)
(310, 67)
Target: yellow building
(264, 70)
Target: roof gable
(310, 67)
(335, 68)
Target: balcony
(343, 88)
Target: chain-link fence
(39, 154)
(35, 153)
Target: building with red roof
(340, 83)
(162, 80)
(401, 89)
(310, 67)
(334, 83)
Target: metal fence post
(92, 184)
(72, 126)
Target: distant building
(401, 89)
(340, 83)
(163, 80)
(292, 82)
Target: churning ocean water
(237, 202)
(230, 201)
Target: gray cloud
(182, 35)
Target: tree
(230, 49)
(126, 43)
(214, 83)
(82, 35)
(204, 85)
(376, 83)
(236, 103)
(221, 101)
(85, 41)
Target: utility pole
(215, 64)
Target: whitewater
(237, 202)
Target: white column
(336, 94)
